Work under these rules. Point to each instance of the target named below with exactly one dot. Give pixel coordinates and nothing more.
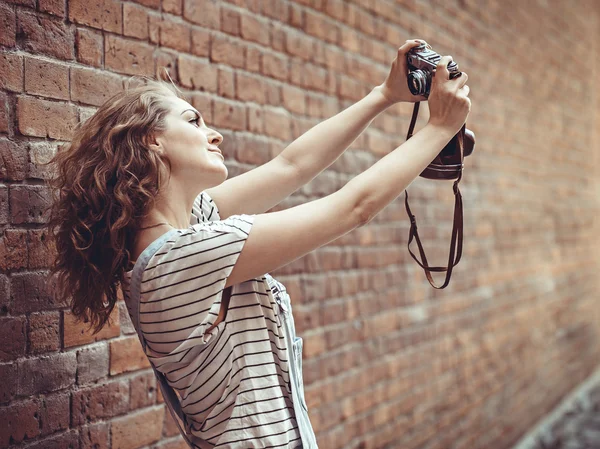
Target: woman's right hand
(449, 102)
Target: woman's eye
(195, 120)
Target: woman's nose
(215, 138)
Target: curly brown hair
(106, 181)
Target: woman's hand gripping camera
(449, 103)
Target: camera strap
(457, 229)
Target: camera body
(422, 61)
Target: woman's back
(234, 380)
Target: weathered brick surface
(43, 118)
(126, 354)
(8, 20)
(89, 47)
(44, 35)
(104, 14)
(388, 361)
(92, 363)
(98, 402)
(46, 79)
(137, 429)
(44, 332)
(11, 72)
(77, 333)
(47, 373)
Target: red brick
(250, 88)
(197, 74)
(101, 14)
(251, 150)
(320, 27)
(278, 33)
(137, 429)
(47, 374)
(294, 99)
(253, 59)
(154, 21)
(296, 16)
(175, 34)
(44, 332)
(54, 413)
(126, 354)
(14, 338)
(170, 426)
(13, 249)
(173, 6)
(11, 72)
(14, 160)
(45, 35)
(200, 42)
(42, 250)
(77, 333)
(89, 47)
(166, 60)
(40, 153)
(227, 51)
(204, 104)
(8, 386)
(202, 12)
(46, 78)
(55, 7)
(142, 390)
(127, 56)
(5, 116)
(19, 422)
(278, 123)
(92, 363)
(154, 4)
(94, 436)
(276, 9)
(28, 204)
(67, 440)
(8, 25)
(89, 86)
(316, 79)
(349, 88)
(27, 3)
(275, 66)
(135, 21)
(230, 21)
(229, 115)
(298, 44)
(256, 123)
(254, 29)
(42, 118)
(99, 402)
(226, 83)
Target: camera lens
(417, 82)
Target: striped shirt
(233, 382)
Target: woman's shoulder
(204, 209)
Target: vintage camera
(422, 61)
(448, 164)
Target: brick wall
(389, 362)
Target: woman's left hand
(395, 87)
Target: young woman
(145, 204)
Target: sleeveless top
(237, 386)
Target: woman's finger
(462, 79)
(408, 45)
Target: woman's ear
(155, 144)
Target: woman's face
(189, 145)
